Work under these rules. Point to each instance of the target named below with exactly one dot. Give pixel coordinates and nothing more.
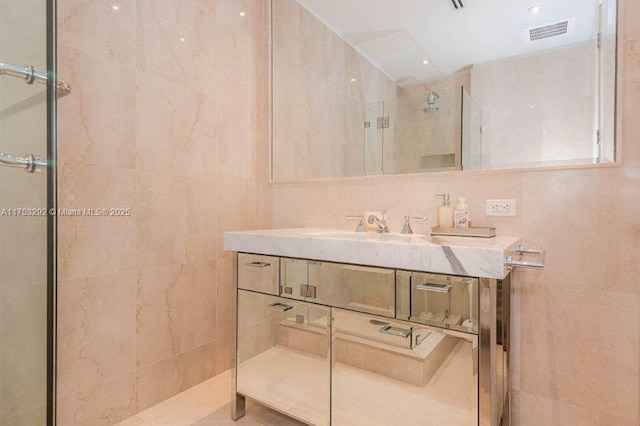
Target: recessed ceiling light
(183, 39)
(115, 7)
(425, 62)
(353, 80)
(243, 14)
(535, 9)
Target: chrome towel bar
(29, 162)
(537, 264)
(31, 75)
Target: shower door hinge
(367, 124)
(383, 122)
(598, 137)
(599, 41)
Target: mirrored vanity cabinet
(331, 343)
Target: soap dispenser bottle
(445, 212)
(461, 215)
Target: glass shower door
(26, 230)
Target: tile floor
(207, 404)
(360, 397)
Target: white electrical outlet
(501, 207)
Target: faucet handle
(406, 229)
(360, 227)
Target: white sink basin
(361, 235)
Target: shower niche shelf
(331, 343)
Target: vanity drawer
(446, 301)
(259, 273)
(358, 288)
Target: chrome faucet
(360, 227)
(406, 229)
(380, 222)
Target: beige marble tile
(22, 348)
(536, 410)
(240, 144)
(602, 199)
(23, 132)
(162, 380)
(21, 46)
(95, 245)
(175, 310)
(283, 379)
(225, 353)
(29, 14)
(102, 405)
(192, 405)
(176, 219)
(206, 404)
(238, 74)
(175, 40)
(289, 210)
(96, 330)
(631, 16)
(592, 356)
(96, 126)
(245, 15)
(631, 60)
(225, 298)
(239, 208)
(630, 125)
(358, 397)
(22, 238)
(103, 28)
(36, 416)
(176, 129)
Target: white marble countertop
(476, 257)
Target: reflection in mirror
(436, 131)
(426, 87)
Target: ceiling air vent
(550, 30)
(457, 4)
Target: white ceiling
(398, 35)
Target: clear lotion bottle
(445, 212)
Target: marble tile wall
(576, 330)
(321, 86)
(550, 93)
(166, 119)
(421, 137)
(23, 242)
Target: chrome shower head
(431, 100)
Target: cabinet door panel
(447, 301)
(295, 278)
(283, 360)
(359, 288)
(427, 378)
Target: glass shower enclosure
(28, 92)
(438, 130)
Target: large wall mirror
(378, 87)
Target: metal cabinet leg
(237, 406)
